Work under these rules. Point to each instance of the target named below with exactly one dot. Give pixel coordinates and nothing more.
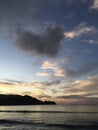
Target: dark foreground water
(57, 117)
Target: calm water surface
(49, 117)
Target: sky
(49, 49)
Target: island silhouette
(22, 100)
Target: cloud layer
(80, 91)
(64, 72)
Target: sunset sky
(49, 49)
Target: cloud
(95, 5)
(71, 97)
(76, 99)
(10, 82)
(43, 74)
(75, 92)
(6, 83)
(47, 43)
(44, 96)
(49, 65)
(54, 91)
(17, 87)
(86, 69)
(64, 72)
(35, 88)
(45, 83)
(87, 87)
(28, 12)
(80, 30)
(54, 68)
(57, 71)
(18, 13)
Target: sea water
(49, 117)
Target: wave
(86, 126)
(17, 122)
(26, 111)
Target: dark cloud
(10, 82)
(46, 83)
(25, 12)
(76, 99)
(91, 94)
(29, 11)
(84, 70)
(71, 97)
(47, 43)
(14, 81)
(44, 96)
(19, 11)
(54, 91)
(54, 82)
(27, 93)
(6, 83)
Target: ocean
(49, 117)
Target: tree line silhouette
(22, 100)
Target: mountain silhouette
(22, 100)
